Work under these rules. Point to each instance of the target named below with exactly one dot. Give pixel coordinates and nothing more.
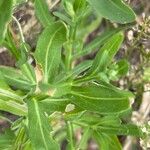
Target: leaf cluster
(58, 91)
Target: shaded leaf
(15, 78)
(5, 16)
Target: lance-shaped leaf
(52, 104)
(99, 41)
(10, 101)
(43, 13)
(48, 51)
(100, 98)
(39, 125)
(6, 93)
(9, 94)
(13, 107)
(76, 71)
(105, 54)
(79, 7)
(28, 71)
(125, 129)
(5, 16)
(115, 10)
(15, 78)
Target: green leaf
(68, 6)
(127, 129)
(15, 78)
(3, 84)
(28, 72)
(13, 107)
(70, 133)
(109, 120)
(9, 94)
(6, 93)
(63, 17)
(39, 125)
(122, 67)
(48, 51)
(76, 71)
(6, 140)
(114, 10)
(107, 142)
(95, 120)
(87, 23)
(146, 76)
(97, 42)
(24, 49)
(79, 6)
(52, 104)
(5, 16)
(42, 12)
(117, 70)
(105, 54)
(100, 98)
(11, 45)
(83, 66)
(10, 101)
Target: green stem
(70, 135)
(69, 45)
(69, 56)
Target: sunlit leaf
(38, 124)
(105, 54)
(100, 98)
(43, 13)
(48, 51)
(115, 10)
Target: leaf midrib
(99, 98)
(39, 122)
(47, 53)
